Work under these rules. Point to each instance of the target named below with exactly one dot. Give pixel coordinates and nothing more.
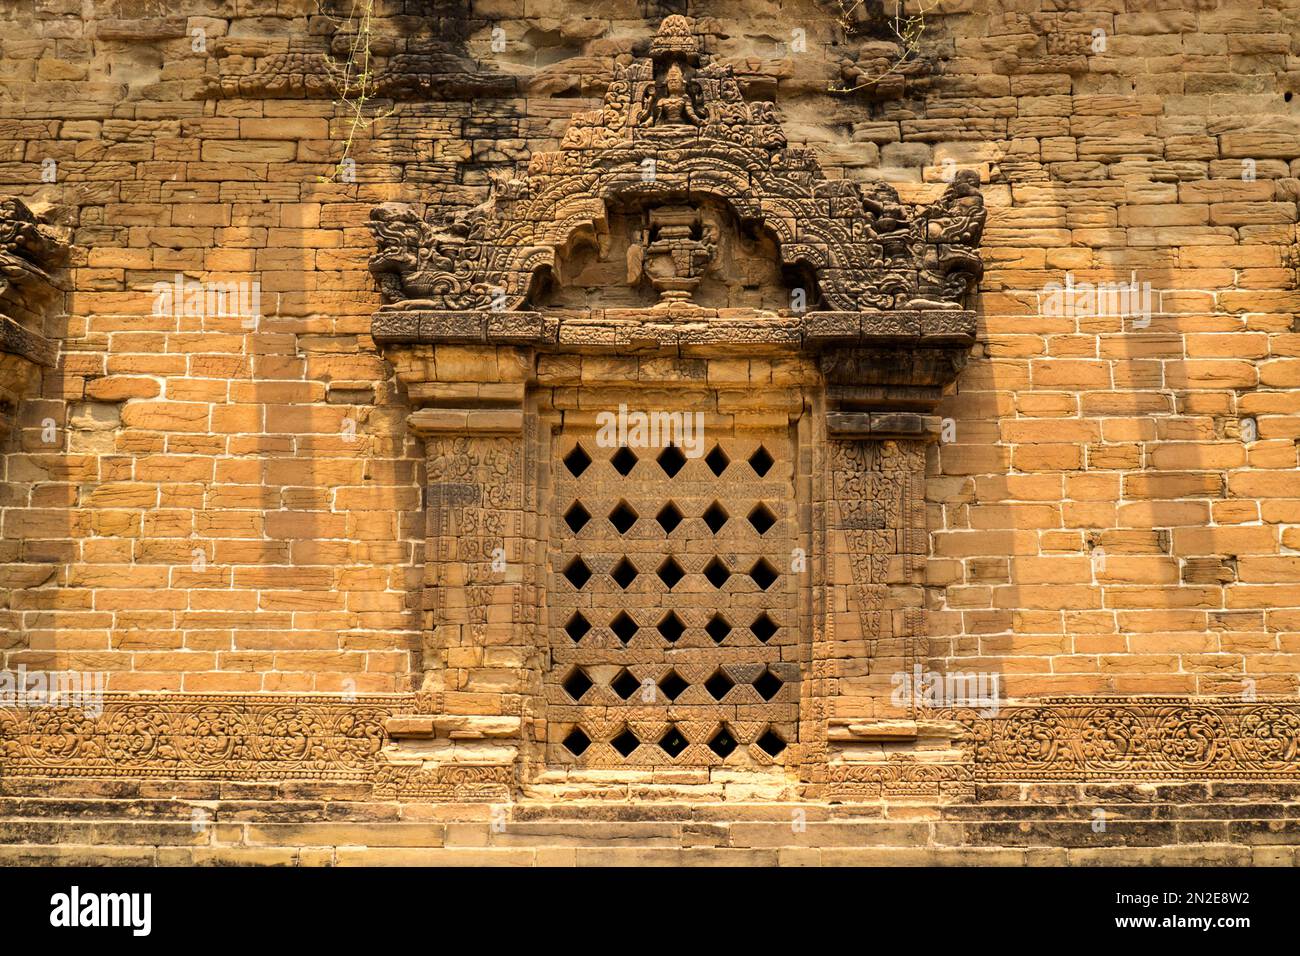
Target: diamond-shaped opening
(717, 572)
(671, 627)
(762, 518)
(577, 627)
(673, 743)
(718, 628)
(673, 684)
(670, 572)
(623, 517)
(719, 685)
(623, 460)
(671, 460)
(763, 573)
(764, 627)
(761, 461)
(767, 685)
(723, 743)
(626, 742)
(669, 517)
(624, 573)
(577, 517)
(625, 685)
(577, 742)
(577, 573)
(577, 683)
(577, 461)
(624, 627)
(715, 517)
(717, 460)
(770, 743)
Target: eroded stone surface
(276, 541)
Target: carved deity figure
(674, 107)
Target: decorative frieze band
(283, 738)
(954, 328)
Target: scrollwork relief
(674, 126)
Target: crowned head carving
(675, 130)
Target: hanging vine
(349, 64)
(868, 18)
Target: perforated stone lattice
(674, 632)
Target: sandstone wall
(226, 508)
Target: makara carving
(29, 250)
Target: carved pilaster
(473, 580)
(479, 595)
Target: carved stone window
(689, 630)
(735, 612)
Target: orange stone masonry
(285, 407)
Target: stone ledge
(74, 854)
(16, 340)
(882, 425)
(677, 834)
(893, 730)
(453, 727)
(678, 326)
(478, 421)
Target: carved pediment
(675, 129)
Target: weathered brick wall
(232, 508)
(1103, 520)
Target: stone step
(506, 833)
(33, 807)
(73, 854)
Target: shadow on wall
(1106, 508)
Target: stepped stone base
(161, 823)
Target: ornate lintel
(675, 129)
(883, 371)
